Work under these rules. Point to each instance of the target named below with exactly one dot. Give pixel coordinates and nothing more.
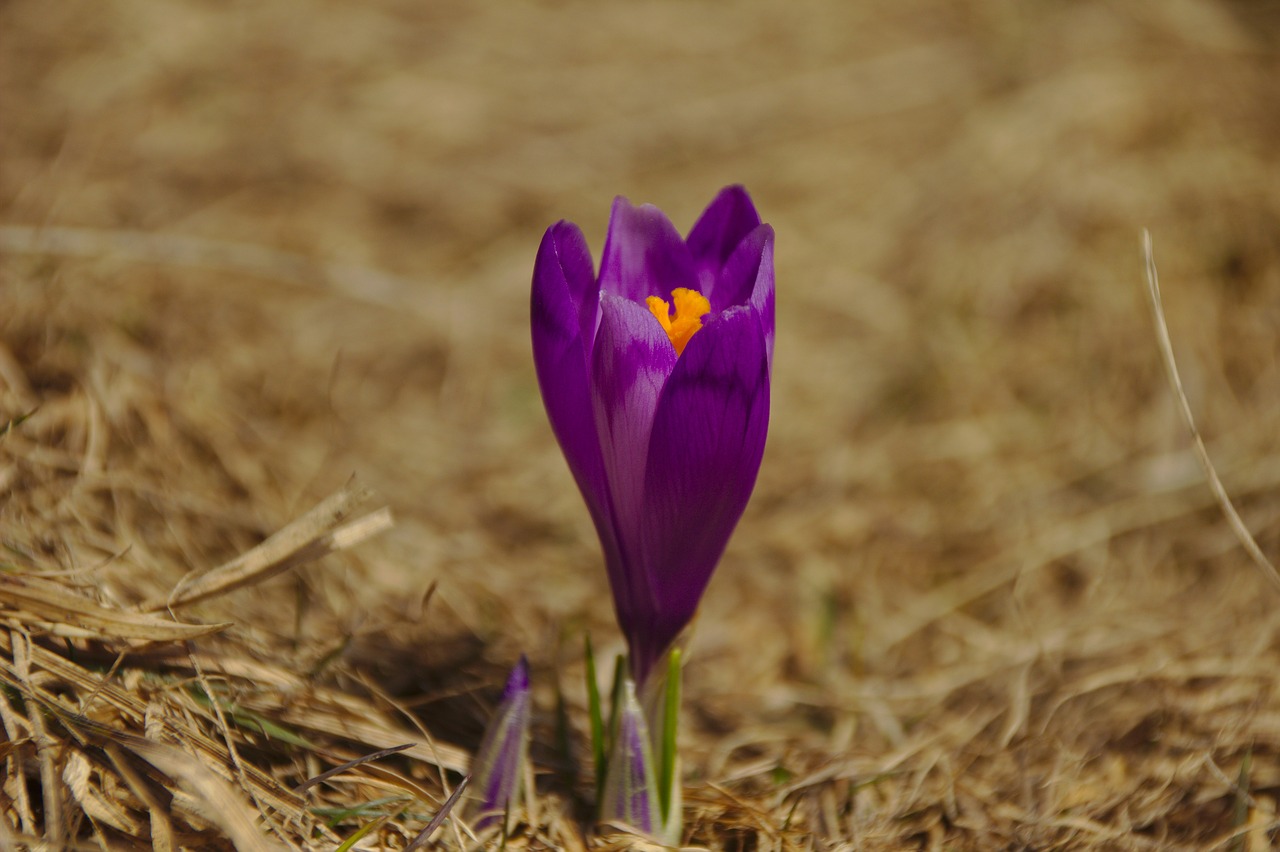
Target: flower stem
(667, 776)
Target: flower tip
(518, 680)
(620, 204)
(736, 192)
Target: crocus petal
(499, 765)
(564, 311)
(705, 449)
(713, 238)
(762, 297)
(644, 254)
(742, 269)
(633, 358)
(747, 279)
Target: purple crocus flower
(662, 417)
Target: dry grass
(255, 260)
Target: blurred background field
(982, 597)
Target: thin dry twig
(1246, 538)
(350, 764)
(441, 815)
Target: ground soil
(257, 256)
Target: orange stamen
(680, 324)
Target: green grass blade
(670, 721)
(1240, 817)
(616, 694)
(611, 732)
(15, 422)
(568, 767)
(597, 717)
(365, 829)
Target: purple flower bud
(662, 417)
(630, 790)
(500, 764)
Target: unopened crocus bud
(500, 764)
(630, 789)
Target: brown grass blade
(33, 601)
(338, 714)
(441, 815)
(1202, 455)
(216, 800)
(351, 764)
(305, 540)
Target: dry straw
(982, 599)
(1202, 455)
(136, 729)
